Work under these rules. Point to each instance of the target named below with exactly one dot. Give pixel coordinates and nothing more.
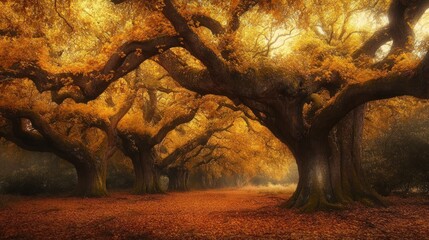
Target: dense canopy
(181, 85)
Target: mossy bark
(347, 176)
(91, 180)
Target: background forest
(395, 160)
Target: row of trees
(308, 92)
(166, 131)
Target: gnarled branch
(192, 42)
(127, 58)
(413, 83)
(200, 20)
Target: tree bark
(347, 178)
(137, 166)
(91, 179)
(330, 172)
(178, 179)
(314, 190)
(147, 175)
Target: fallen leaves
(214, 214)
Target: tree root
(373, 199)
(318, 202)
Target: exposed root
(373, 199)
(318, 202)
(290, 203)
(315, 202)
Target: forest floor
(214, 214)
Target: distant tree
(174, 164)
(74, 134)
(215, 152)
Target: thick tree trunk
(314, 190)
(91, 180)
(330, 172)
(348, 178)
(178, 179)
(147, 175)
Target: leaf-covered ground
(215, 214)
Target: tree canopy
(300, 68)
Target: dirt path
(220, 214)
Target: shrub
(33, 181)
(399, 159)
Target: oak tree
(300, 93)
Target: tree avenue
(303, 68)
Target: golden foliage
(279, 39)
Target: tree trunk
(91, 179)
(185, 179)
(347, 178)
(137, 166)
(147, 175)
(172, 179)
(178, 179)
(314, 190)
(330, 172)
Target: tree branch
(242, 7)
(370, 47)
(200, 20)
(192, 42)
(413, 83)
(401, 17)
(72, 151)
(112, 130)
(118, 1)
(208, 160)
(192, 79)
(201, 140)
(172, 125)
(127, 58)
(61, 16)
(13, 131)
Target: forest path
(250, 213)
